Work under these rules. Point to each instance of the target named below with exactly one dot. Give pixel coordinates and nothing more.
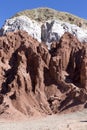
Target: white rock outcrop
(48, 32)
(53, 30)
(23, 23)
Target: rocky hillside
(36, 81)
(43, 64)
(50, 28)
(45, 14)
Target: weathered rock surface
(44, 14)
(52, 31)
(46, 32)
(23, 23)
(36, 81)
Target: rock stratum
(46, 32)
(43, 65)
(37, 81)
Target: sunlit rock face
(23, 23)
(36, 81)
(53, 30)
(46, 32)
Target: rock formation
(52, 31)
(43, 64)
(45, 14)
(38, 81)
(46, 32)
(22, 23)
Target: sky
(8, 8)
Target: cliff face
(37, 81)
(43, 64)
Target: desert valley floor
(71, 121)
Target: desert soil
(72, 121)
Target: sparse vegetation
(44, 14)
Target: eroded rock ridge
(47, 32)
(37, 81)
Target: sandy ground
(72, 121)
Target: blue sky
(10, 7)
